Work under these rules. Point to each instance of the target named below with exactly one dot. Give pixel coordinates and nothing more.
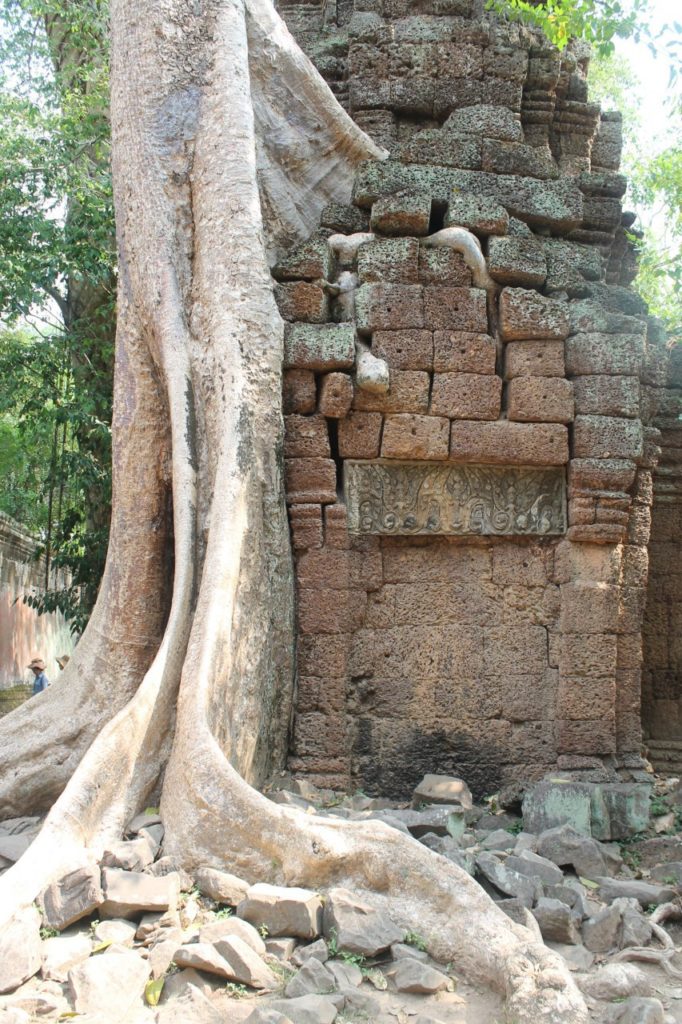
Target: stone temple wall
(471, 545)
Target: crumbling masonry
(474, 545)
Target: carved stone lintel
(439, 498)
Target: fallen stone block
(646, 893)
(600, 933)
(63, 952)
(314, 950)
(13, 846)
(307, 1009)
(410, 975)
(128, 893)
(568, 848)
(266, 1015)
(118, 932)
(234, 926)
(356, 926)
(73, 896)
(533, 866)
(110, 985)
(313, 979)
(221, 886)
(557, 921)
(282, 910)
(20, 949)
(577, 957)
(615, 981)
(528, 890)
(202, 956)
(246, 966)
(130, 855)
(640, 1011)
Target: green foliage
(223, 913)
(416, 940)
(598, 22)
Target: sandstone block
(519, 444)
(325, 610)
(607, 437)
(507, 881)
(587, 654)
(283, 911)
(389, 259)
(63, 952)
(408, 392)
(527, 315)
(601, 474)
(540, 399)
(20, 949)
(601, 353)
(336, 395)
(406, 214)
(468, 396)
(299, 393)
(404, 350)
(127, 893)
(483, 119)
(534, 866)
(595, 738)
(304, 1010)
(534, 359)
(558, 923)
(360, 435)
(442, 265)
(319, 346)
(410, 975)
(358, 927)
(305, 522)
(312, 979)
(389, 307)
(305, 437)
(202, 956)
(310, 481)
(566, 847)
(604, 395)
(442, 789)
(245, 965)
(554, 204)
(221, 885)
(131, 855)
(600, 933)
(109, 986)
(517, 261)
(646, 893)
(480, 214)
(589, 608)
(71, 897)
(462, 309)
(417, 437)
(310, 260)
(582, 698)
(302, 300)
(463, 352)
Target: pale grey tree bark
(226, 144)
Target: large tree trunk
(217, 116)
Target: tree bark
(216, 117)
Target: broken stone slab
(110, 985)
(167, 866)
(577, 957)
(442, 789)
(283, 910)
(161, 956)
(639, 1010)
(554, 802)
(670, 873)
(73, 896)
(63, 952)
(191, 1007)
(646, 893)
(498, 839)
(130, 855)
(153, 834)
(410, 975)
(282, 948)
(600, 933)
(356, 926)
(448, 847)
(120, 932)
(403, 951)
(143, 820)
(568, 848)
(620, 810)
(604, 810)
(528, 890)
(266, 1015)
(635, 928)
(557, 921)
(570, 896)
(317, 950)
(246, 966)
(202, 956)
(221, 886)
(615, 981)
(12, 847)
(440, 820)
(346, 975)
(178, 984)
(152, 926)
(307, 1009)
(312, 979)
(16, 826)
(234, 926)
(128, 893)
(534, 866)
(20, 949)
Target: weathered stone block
(310, 481)
(587, 654)
(299, 394)
(517, 261)
(483, 119)
(389, 307)
(534, 359)
(607, 437)
(75, 895)
(558, 922)
(453, 93)
(468, 396)
(389, 259)
(310, 260)
(448, 149)
(20, 949)
(519, 444)
(360, 435)
(128, 893)
(527, 315)
(516, 158)
(283, 911)
(601, 474)
(620, 809)
(598, 353)
(302, 300)
(442, 265)
(324, 610)
(540, 399)
(305, 522)
(305, 437)
(407, 214)
(319, 346)
(357, 926)
(404, 350)
(336, 395)
(481, 214)
(589, 608)
(415, 437)
(344, 220)
(554, 204)
(323, 656)
(463, 352)
(340, 570)
(580, 699)
(605, 395)
(462, 309)
(588, 738)
(515, 649)
(408, 392)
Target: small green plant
(263, 931)
(357, 959)
(49, 933)
(223, 913)
(416, 940)
(659, 807)
(333, 943)
(515, 828)
(236, 991)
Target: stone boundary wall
(23, 633)
(494, 657)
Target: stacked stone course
(495, 657)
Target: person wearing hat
(41, 682)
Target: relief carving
(420, 498)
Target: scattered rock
(12, 847)
(557, 921)
(178, 985)
(110, 985)
(533, 866)
(282, 948)
(410, 975)
(442, 789)
(62, 953)
(600, 933)
(161, 956)
(283, 911)
(266, 1015)
(128, 893)
(246, 966)
(346, 975)
(357, 926)
(307, 1009)
(646, 893)
(130, 855)
(577, 957)
(192, 1007)
(568, 848)
(640, 1011)
(115, 931)
(614, 981)
(635, 929)
(312, 979)
(20, 949)
(508, 882)
(402, 951)
(73, 896)
(221, 886)
(234, 926)
(317, 950)
(498, 839)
